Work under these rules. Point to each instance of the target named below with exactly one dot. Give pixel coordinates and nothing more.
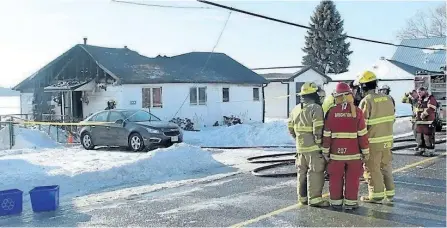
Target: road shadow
(64, 216)
(421, 184)
(410, 219)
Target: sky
(34, 32)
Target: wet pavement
(420, 201)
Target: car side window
(114, 116)
(101, 117)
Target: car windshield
(140, 116)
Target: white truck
(435, 82)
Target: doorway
(77, 105)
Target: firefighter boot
(430, 153)
(419, 151)
(322, 203)
(351, 206)
(368, 199)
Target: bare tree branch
(425, 24)
(438, 21)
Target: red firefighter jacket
(426, 110)
(345, 136)
(425, 115)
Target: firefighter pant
(311, 166)
(426, 137)
(414, 130)
(344, 174)
(379, 174)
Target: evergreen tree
(327, 48)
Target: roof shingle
(424, 59)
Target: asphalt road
(420, 201)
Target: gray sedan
(136, 129)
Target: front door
(116, 132)
(77, 105)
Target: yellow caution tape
(90, 123)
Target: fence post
(11, 135)
(57, 134)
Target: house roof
(410, 69)
(291, 76)
(424, 59)
(195, 67)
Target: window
(226, 94)
(114, 116)
(101, 117)
(197, 95)
(152, 98)
(256, 94)
(139, 116)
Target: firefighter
(328, 103)
(385, 89)
(412, 99)
(378, 111)
(425, 116)
(355, 92)
(111, 104)
(345, 143)
(305, 124)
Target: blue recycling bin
(11, 202)
(44, 198)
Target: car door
(116, 132)
(99, 131)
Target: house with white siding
(281, 94)
(201, 86)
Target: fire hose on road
(287, 162)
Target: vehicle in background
(136, 129)
(435, 82)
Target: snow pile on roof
(80, 172)
(274, 133)
(25, 138)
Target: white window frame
(151, 96)
(259, 94)
(197, 89)
(228, 88)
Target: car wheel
(87, 142)
(136, 142)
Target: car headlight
(153, 131)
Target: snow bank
(25, 138)
(272, 133)
(258, 134)
(80, 172)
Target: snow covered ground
(81, 172)
(39, 160)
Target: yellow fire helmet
(366, 77)
(308, 88)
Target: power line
(162, 6)
(307, 27)
(272, 68)
(207, 60)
